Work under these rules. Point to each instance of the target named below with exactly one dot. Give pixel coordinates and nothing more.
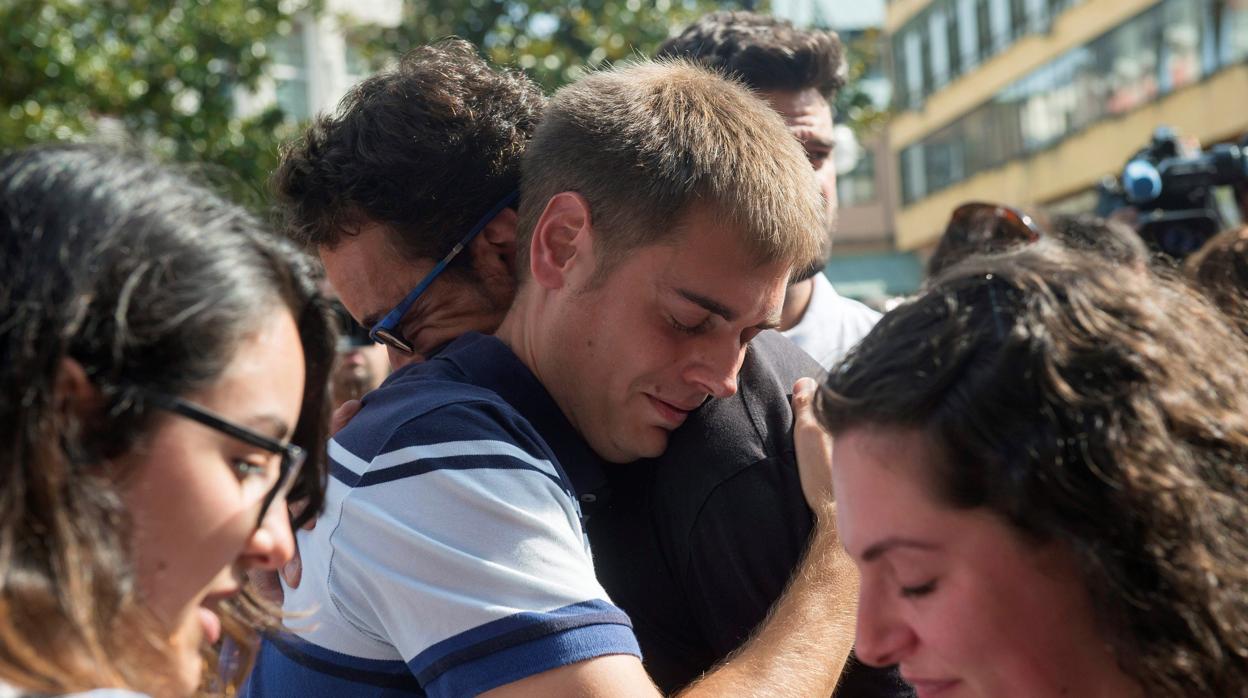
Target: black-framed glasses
(386, 331)
(292, 455)
(1011, 225)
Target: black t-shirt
(698, 544)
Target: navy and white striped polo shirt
(451, 557)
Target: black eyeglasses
(292, 456)
(387, 330)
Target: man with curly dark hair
(349, 189)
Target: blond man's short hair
(646, 142)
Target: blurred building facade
(317, 61)
(1031, 102)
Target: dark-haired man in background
(797, 71)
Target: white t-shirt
(832, 324)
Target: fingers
(292, 571)
(296, 508)
(343, 414)
(813, 446)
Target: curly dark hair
(424, 147)
(1114, 241)
(1220, 270)
(764, 52)
(1102, 407)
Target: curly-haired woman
(1039, 467)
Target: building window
(857, 187)
(1125, 68)
(913, 174)
(968, 34)
(1180, 45)
(900, 71)
(914, 68)
(953, 50)
(999, 18)
(925, 60)
(1129, 58)
(1037, 15)
(938, 44)
(290, 73)
(1018, 19)
(983, 32)
(1232, 20)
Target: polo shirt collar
(486, 361)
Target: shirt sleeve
(461, 543)
(733, 573)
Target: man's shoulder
(429, 406)
(730, 433)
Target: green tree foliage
(166, 73)
(161, 72)
(553, 40)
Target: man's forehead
(805, 112)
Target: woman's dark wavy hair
(1102, 407)
(149, 282)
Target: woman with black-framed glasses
(164, 379)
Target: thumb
(345, 412)
(813, 446)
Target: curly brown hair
(1115, 241)
(1104, 407)
(1220, 270)
(424, 147)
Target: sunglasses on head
(1006, 223)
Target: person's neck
(514, 330)
(796, 301)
